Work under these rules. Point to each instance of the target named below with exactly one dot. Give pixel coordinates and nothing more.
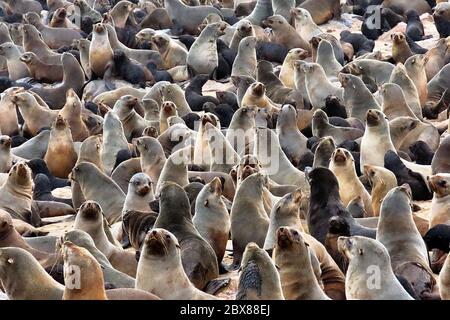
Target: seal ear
(206, 203)
(10, 261)
(361, 251)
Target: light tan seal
(382, 181)
(293, 257)
(366, 254)
(61, 155)
(72, 113)
(342, 165)
(160, 270)
(90, 219)
(440, 205)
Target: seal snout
(284, 237)
(90, 210)
(5, 141)
(339, 156)
(372, 117)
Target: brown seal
(398, 233)
(376, 137)
(394, 102)
(171, 52)
(73, 78)
(256, 96)
(55, 38)
(61, 155)
(33, 42)
(415, 66)
(322, 10)
(16, 193)
(175, 215)
(288, 68)
(400, 48)
(211, 217)
(36, 116)
(71, 112)
(160, 270)
(293, 257)
(382, 181)
(284, 34)
(133, 124)
(439, 164)
(90, 220)
(114, 140)
(248, 210)
(100, 52)
(96, 186)
(440, 185)
(10, 237)
(40, 70)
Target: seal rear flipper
(408, 287)
(250, 282)
(215, 285)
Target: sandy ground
(333, 27)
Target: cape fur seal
(161, 257)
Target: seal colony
(240, 149)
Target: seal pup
(211, 217)
(61, 155)
(364, 253)
(200, 265)
(382, 181)
(90, 219)
(398, 233)
(72, 113)
(162, 258)
(342, 165)
(133, 124)
(42, 190)
(376, 137)
(93, 184)
(292, 255)
(419, 186)
(175, 169)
